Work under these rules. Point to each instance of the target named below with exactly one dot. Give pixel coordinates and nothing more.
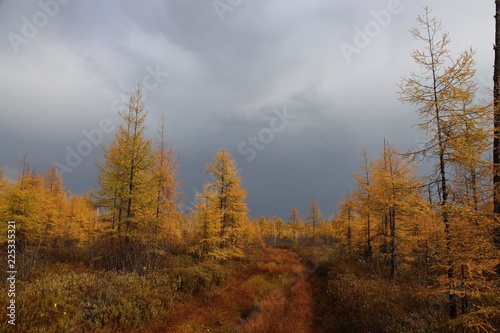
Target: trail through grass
(271, 294)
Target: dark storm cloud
(221, 83)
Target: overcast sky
(291, 88)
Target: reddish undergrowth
(267, 294)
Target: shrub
(195, 279)
(257, 285)
(82, 302)
(350, 302)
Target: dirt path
(270, 295)
(287, 308)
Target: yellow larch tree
(125, 175)
(55, 206)
(208, 224)
(295, 222)
(362, 197)
(24, 204)
(396, 195)
(223, 202)
(167, 218)
(437, 93)
(127, 193)
(444, 96)
(313, 218)
(347, 223)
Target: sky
(293, 89)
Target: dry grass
(269, 294)
(283, 311)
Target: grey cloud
(225, 79)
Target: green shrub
(217, 271)
(195, 279)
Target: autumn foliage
(403, 251)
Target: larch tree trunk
(496, 122)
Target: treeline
(133, 219)
(50, 222)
